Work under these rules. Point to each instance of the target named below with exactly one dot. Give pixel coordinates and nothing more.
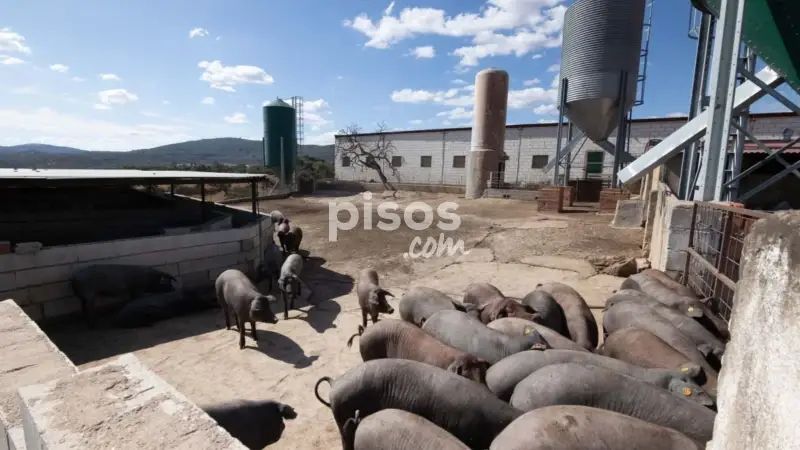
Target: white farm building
(438, 156)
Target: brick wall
(39, 282)
(521, 145)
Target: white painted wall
(522, 143)
(39, 282)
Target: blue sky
(126, 74)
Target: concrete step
(122, 405)
(26, 356)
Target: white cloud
(314, 112)
(208, 101)
(532, 82)
(111, 97)
(446, 123)
(198, 32)
(108, 77)
(236, 118)
(12, 42)
(537, 56)
(78, 79)
(415, 122)
(388, 10)
(459, 81)
(10, 60)
(165, 102)
(218, 38)
(456, 114)
(339, 77)
(59, 68)
(26, 90)
(546, 110)
(151, 114)
(464, 97)
(554, 68)
(530, 24)
(424, 52)
(226, 77)
(326, 138)
(677, 114)
(101, 106)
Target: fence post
(723, 250)
(692, 226)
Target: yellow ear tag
(691, 309)
(687, 391)
(684, 369)
(527, 331)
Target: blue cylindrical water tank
(280, 122)
(602, 39)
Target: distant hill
(41, 148)
(204, 151)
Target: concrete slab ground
(26, 356)
(201, 359)
(120, 405)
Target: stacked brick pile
(609, 198)
(551, 199)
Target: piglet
(237, 294)
(372, 297)
(289, 282)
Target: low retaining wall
(26, 357)
(38, 282)
(78, 412)
(672, 223)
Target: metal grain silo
(488, 129)
(280, 122)
(601, 39)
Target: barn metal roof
(118, 177)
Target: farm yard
(510, 245)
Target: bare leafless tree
(372, 152)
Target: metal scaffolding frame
(714, 173)
(297, 104)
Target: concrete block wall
(27, 356)
(670, 232)
(758, 384)
(78, 412)
(39, 282)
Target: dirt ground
(510, 245)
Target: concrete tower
(488, 129)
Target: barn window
(397, 161)
(459, 161)
(345, 161)
(539, 161)
(425, 161)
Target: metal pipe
(769, 158)
(172, 191)
(619, 146)
(568, 161)
(561, 105)
(761, 145)
(723, 85)
(282, 178)
(774, 179)
(696, 103)
(732, 189)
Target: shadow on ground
(83, 345)
(282, 348)
(326, 285)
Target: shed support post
(254, 198)
(203, 212)
(172, 191)
(723, 83)
(622, 128)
